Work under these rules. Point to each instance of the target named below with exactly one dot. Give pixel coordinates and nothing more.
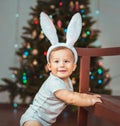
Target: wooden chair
(109, 110)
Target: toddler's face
(62, 63)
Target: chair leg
(82, 117)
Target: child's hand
(95, 99)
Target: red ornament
(36, 22)
(100, 63)
(61, 3)
(76, 5)
(45, 53)
(59, 23)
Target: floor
(10, 116)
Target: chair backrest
(85, 56)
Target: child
(57, 91)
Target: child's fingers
(96, 95)
(99, 100)
(96, 100)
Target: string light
(50, 16)
(100, 81)
(92, 77)
(83, 15)
(97, 12)
(83, 39)
(25, 54)
(88, 32)
(40, 76)
(100, 71)
(24, 78)
(15, 105)
(17, 24)
(65, 30)
(13, 76)
(17, 15)
(90, 73)
(82, 11)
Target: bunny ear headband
(73, 32)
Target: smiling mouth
(62, 71)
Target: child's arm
(78, 99)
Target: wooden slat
(92, 52)
(82, 117)
(109, 110)
(84, 74)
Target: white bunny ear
(48, 28)
(74, 29)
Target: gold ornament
(15, 72)
(34, 33)
(41, 36)
(35, 62)
(34, 51)
(84, 35)
(24, 56)
(28, 45)
(52, 6)
(82, 6)
(83, 24)
(107, 75)
(46, 68)
(73, 80)
(71, 5)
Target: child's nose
(62, 63)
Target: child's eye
(56, 61)
(66, 61)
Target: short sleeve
(56, 84)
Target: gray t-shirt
(45, 104)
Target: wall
(9, 33)
(108, 23)
(11, 29)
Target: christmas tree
(32, 72)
